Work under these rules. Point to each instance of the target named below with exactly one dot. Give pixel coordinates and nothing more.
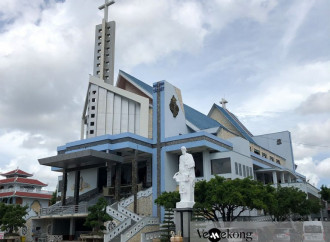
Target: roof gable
(144, 87)
(235, 122)
(200, 120)
(16, 172)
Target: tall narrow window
(236, 168)
(240, 169)
(244, 173)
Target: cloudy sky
(269, 59)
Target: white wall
(269, 141)
(240, 155)
(115, 110)
(171, 167)
(89, 177)
(173, 125)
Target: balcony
(26, 190)
(303, 186)
(64, 210)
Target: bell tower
(104, 51)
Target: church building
(131, 136)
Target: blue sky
(269, 59)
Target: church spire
(105, 7)
(104, 53)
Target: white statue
(186, 179)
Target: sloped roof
(139, 83)
(199, 119)
(23, 181)
(237, 124)
(17, 172)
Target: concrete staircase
(127, 223)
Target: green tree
(3, 208)
(325, 193)
(97, 216)
(54, 198)
(290, 201)
(12, 217)
(228, 196)
(168, 200)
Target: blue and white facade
(131, 135)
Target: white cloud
(285, 88)
(14, 155)
(316, 103)
(314, 170)
(296, 16)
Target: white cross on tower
(105, 7)
(223, 102)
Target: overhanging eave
(80, 159)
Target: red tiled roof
(18, 172)
(34, 195)
(26, 194)
(22, 180)
(6, 194)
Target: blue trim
(194, 144)
(254, 162)
(154, 116)
(162, 180)
(113, 147)
(131, 145)
(61, 148)
(162, 169)
(105, 137)
(55, 168)
(270, 162)
(96, 147)
(198, 134)
(154, 182)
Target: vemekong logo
(215, 234)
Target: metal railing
(14, 189)
(147, 221)
(59, 210)
(303, 186)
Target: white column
(206, 165)
(282, 177)
(274, 178)
(289, 178)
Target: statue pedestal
(185, 205)
(182, 222)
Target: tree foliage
(97, 216)
(54, 198)
(12, 217)
(168, 200)
(325, 193)
(290, 201)
(229, 198)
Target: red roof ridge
(23, 180)
(16, 171)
